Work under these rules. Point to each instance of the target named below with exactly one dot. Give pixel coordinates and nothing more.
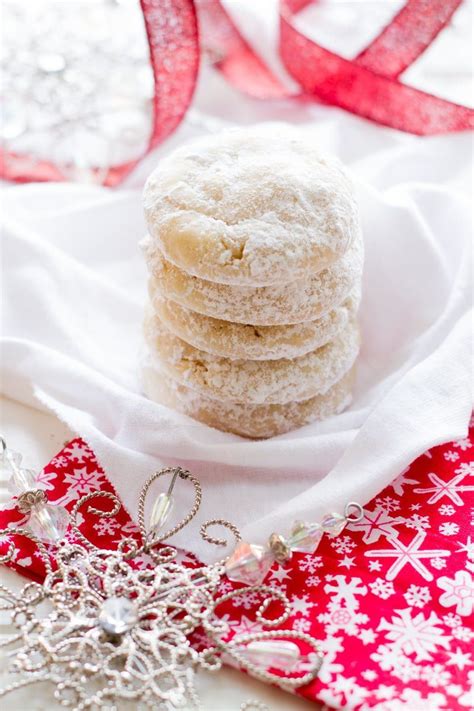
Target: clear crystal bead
(305, 537)
(160, 512)
(276, 654)
(118, 615)
(333, 524)
(249, 564)
(9, 462)
(22, 480)
(48, 523)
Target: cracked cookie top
(251, 206)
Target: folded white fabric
(74, 286)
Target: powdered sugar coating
(254, 206)
(251, 381)
(244, 341)
(286, 303)
(252, 421)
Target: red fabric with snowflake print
(391, 599)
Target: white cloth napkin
(74, 288)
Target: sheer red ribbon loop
(357, 87)
(367, 86)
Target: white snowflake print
(369, 675)
(367, 636)
(340, 618)
(345, 591)
(453, 689)
(417, 595)
(460, 659)
(387, 503)
(418, 522)
(106, 526)
(375, 566)
(81, 482)
(301, 605)
(451, 489)
(376, 524)
(313, 581)
(385, 692)
(447, 510)
(343, 544)
(247, 600)
(346, 562)
(310, 563)
(280, 574)
(449, 528)
(435, 675)
(60, 461)
(466, 698)
(463, 444)
(459, 591)
(467, 548)
(350, 690)
(329, 699)
(463, 634)
(382, 588)
(301, 625)
(244, 625)
(129, 529)
(401, 481)
(185, 557)
(409, 554)
(452, 620)
(438, 563)
(44, 480)
(225, 587)
(451, 456)
(417, 635)
(392, 659)
(415, 507)
(80, 452)
(465, 468)
(330, 646)
(413, 700)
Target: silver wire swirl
(93, 510)
(20, 531)
(219, 522)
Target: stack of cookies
(255, 259)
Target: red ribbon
(368, 85)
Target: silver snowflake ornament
(104, 628)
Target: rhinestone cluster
(47, 522)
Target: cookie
(251, 206)
(287, 303)
(253, 381)
(253, 421)
(244, 341)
